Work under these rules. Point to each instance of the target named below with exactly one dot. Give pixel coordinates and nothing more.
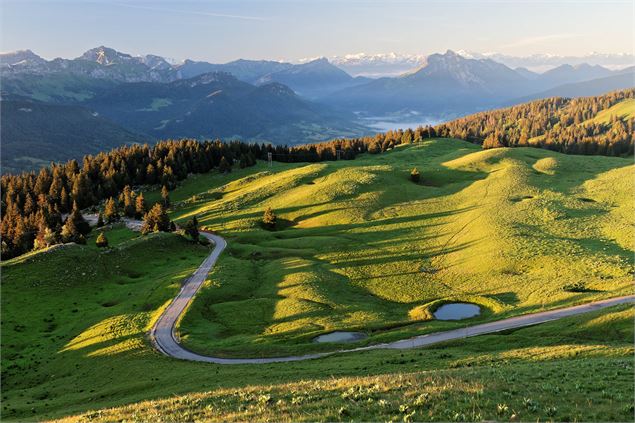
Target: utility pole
(270, 159)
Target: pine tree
(165, 196)
(100, 221)
(269, 218)
(101, 241)
(140, 206)
(224, 166)
(156, 220)
(64, 200)
(128, 201)
(110, 211)
(78, 220)
(191, 228)
(69, 231)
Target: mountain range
(451, 84)
(393, 64)
(148, 97)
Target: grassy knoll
(362, 248)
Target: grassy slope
(365, 249)
(74, 322)
(625, 109)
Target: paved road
(164, 338)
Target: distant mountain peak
(105, 56)
(20, 57)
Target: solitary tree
(415, 176)
(101, 241)
(156, 220)
(269, 218)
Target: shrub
(415, 176)
(269, 218)
(102, 241)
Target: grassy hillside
(625, 109)
(354, 240)
(363, 248)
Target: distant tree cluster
(558, 124)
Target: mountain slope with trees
(35, 134)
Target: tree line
(33, 205)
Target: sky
(221, 30)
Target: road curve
(164, 338)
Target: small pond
(341, 336)
(457, 311)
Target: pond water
(457, 311)
(341, 336)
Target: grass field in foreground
(363, 248)
(75, 341)
(578, 369)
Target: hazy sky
(221, 30)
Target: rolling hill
(359, 247)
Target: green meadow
(358, 247)
(361, 247)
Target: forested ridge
(33, 204)
(559, 124)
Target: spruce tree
(156, 220)
(78, 220)
(110, 211)
(224, 166)
(191, 228)
(140, 206)
(69, 231)
(165, 196)
(128, 202)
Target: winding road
(164, 338)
